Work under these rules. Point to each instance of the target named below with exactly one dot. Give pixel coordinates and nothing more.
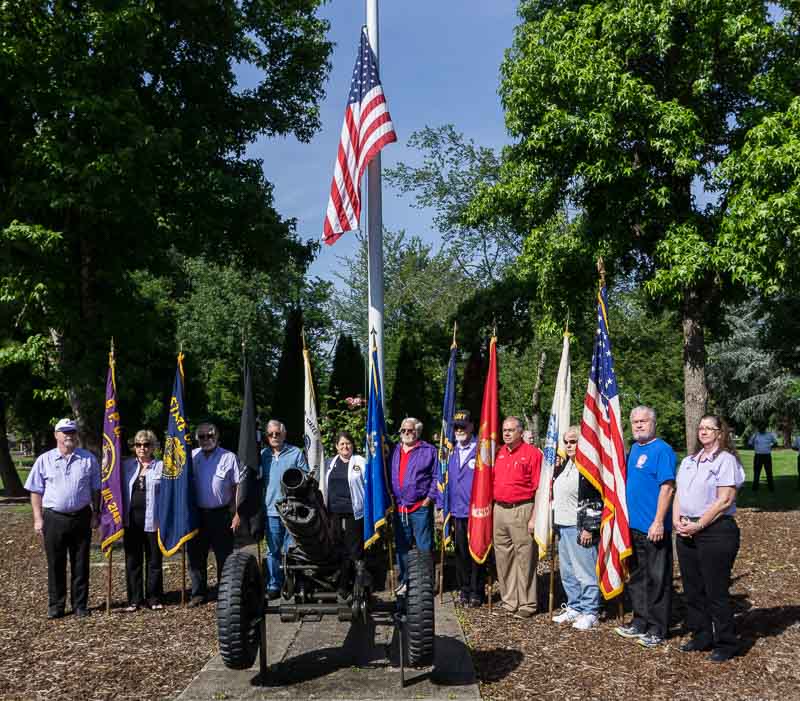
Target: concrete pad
(328, 659)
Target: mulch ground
(520, 659)
(155, 654)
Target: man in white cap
(64, 484)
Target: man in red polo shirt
(516, 477)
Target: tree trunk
(788, 425)
(695, 391)
(536, 398)
(8, 471)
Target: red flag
(601, 458)
(366, 130)
(480, 510)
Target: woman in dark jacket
(577, 510)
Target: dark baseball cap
(461, 418)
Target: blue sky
(439, 63)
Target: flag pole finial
(455, 330)
(112, 346)
(601, 269)
(566, 326)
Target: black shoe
(721, 656)
(463, 599)
(273, 594)
(82, 613)
(695, 645)
(55, 613)
(196, 601)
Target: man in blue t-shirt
(649, 490)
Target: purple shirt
(215, 477)
(699, 477)
(420, 478)
(460, 471)
(65, 483)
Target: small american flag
(601, 458)
(366, 130)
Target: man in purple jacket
(460, 471)
(414, 488)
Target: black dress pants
(215, 532)
(762, 460)
(141, 547)
(348, 533)
(706, 562)
(469, 574)
(67, 535)
(650, 583)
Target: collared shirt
(762, 442)
(215, 477)
(273, 467)
(698, 479)
(649, 466)
(516, 473)
(419, 480)
(66, 483)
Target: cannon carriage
(312, 565)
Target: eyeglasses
(205, 436)
(274, 434)
(141, 445)
(575, 442)
(708, 428)
(408, 430)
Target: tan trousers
(516, 555)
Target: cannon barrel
(305, 517)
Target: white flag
(554, 444)
(312, 437)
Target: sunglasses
(204, 436)
(574, 442)
(408, 430)
(274, 434)
(141, 445)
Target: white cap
(66, 426)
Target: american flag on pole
(366, 130)
(601, 457)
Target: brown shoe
(523, 613)
(197, 601)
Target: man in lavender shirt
(216, 484)
(65, 496)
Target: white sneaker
(401, 590)
(566, 616)
(585, 621)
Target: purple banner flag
(111, 505)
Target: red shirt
(516, 473)
(404, 455)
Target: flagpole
(375, 215)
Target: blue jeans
(577, 565)
(409, 528)
(277, 541)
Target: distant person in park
(414, 469)
(216, 483)
(141, 476)
(516, 478)
(343, 486)
(762, 442)
(708, 538)
(64, 484)
(276, 458)
(577, 512)
(796, 446)
(649, 490)
(460, 473)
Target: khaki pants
(516, 555)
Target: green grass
(784, 469)
(23, 468)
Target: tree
(288, 398)
(348, 374)
(624, 113)
(123, 139)
(410, 391)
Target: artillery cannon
(311, 568)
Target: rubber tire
(420, 626)
(240, 607)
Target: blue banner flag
(377, 503)
(447, 440)
(177, 508)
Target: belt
(512, 504)
(79, 512)
(695, 519)
(215, 508)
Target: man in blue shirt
(762, 442)
(65, 496)
(276, 458)
(649, 490)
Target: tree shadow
(755, 623)
(496, 664)
(786, 496)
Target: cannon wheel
(419, 608)
(240, 606)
